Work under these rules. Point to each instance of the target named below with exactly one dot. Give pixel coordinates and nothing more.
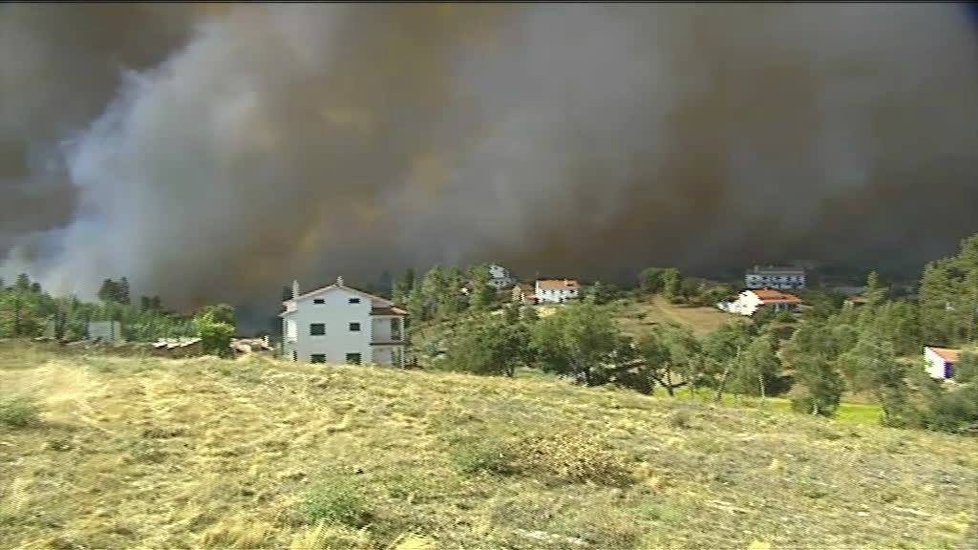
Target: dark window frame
(354, 327)
(319, 301)
(317, 358)
(353, 301)
(357, 361)
(313, 328)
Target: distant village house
(500, 277)
(750, 301)
(556, 290)
(340, 324)
(784, 278)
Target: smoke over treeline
(217, 152)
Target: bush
(18, 412)
(484, 454)
(336, 502)
(572, 457)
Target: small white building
(555, 290)
(500, 277)
(105, 331)
(339, 324)
(785, 278)
(750, 301)
(940, 361)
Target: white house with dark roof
(555, 290)
(784, 278)
(339, 324)
(500, 277)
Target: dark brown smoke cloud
(237, 147)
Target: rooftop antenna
(339, 280)
(295, 288)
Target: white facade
(555, 290)
(940, 362)
(749, 301)
(500, 277)
(785, 278)
(338, 324)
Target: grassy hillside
(636, 316)
(161, 453)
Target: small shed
(940, 361)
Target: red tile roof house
(751, 300)
(940, 361)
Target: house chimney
(295, 289)
(339, 281)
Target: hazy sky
(217, 152)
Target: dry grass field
(254, 453)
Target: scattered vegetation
(18, 412)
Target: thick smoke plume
(217, 152)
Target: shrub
(336, 502)
(485, 454)
(18, 412)
(680, 419)
(572, 457)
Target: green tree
(122, 291)
(483, 295)
(875, 292)
(650, 280)
(672, 284)
(451, 301)
(818, 387)
(966, 368)
(215, 326)
(721, 349)
(433, 289)
(22, 283)
(109, 291)
(872, 366)
(403, 285)
(488, 346)
(811, 352)
(577, 341)
(756, 367)
(671, 357)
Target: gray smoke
(243, 146)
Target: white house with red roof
(339, 324)
(556, 290)
(750, 301)
(940, 361)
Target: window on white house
(354, 327)
(317, 329)
(353, 358)
(319, 301)
(354, 300)
(317, 358)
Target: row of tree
(27, 311)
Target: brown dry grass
(156, 453)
